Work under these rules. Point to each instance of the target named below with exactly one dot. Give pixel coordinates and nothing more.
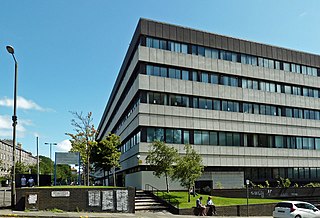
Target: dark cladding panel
(299, 58)
(274, 52)
(289, 55)
(173, 32)
(307, 56)
(269, 52)
(193, 36)
(179, 34)
(144, 26)
(206, 39)
(242, 46)
(284, 55)
(236, 45)
(212, 40)
(317, 61)
(230, 44)
(218, 41)
(263, 50)
(280, 57)
(152, 28)
(165, 31)
(199, 37)
(247, 47)
(159, 30)
(224, 43)
(186, 35)
(313, 60)
(259, 49)
(294, 57)
(253, 47)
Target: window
(205, 138)
(186, 137)
(214, 79)
(185, 75)
(214, 138)
(222, 138)
(197, 137)
(204, 77)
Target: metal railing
(164, 196)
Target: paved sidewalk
(42, 214)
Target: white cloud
(21, 103)
(5, 122)
(6, 127)
(63, 146)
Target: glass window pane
(177, 136)
(214, 138)
(207, 52)
(216, 105)
(184, 48)
(150, 134)
(169, 135)
(214, 79)
(201, 51)
(186, 137)
(185, 75)
(214, 53)
(222, 138)
(204, 77)
(197, 137)
(205, 137)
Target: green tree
(105, 154)
(162, 157)
(189, 168)
(83, 140)
(22, 168)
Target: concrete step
(146, 200)
(147, 203)
(156, 207)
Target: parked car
(295, 209)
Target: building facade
(251, 110)
(6, 157)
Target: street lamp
(14, 124)
(50, 143)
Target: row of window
(167, 45)
(225, 105)
(130, 142)
(264, 174)
(128, 113)
(230, 56)
(202, 137)
(215, 78)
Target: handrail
(167, 198)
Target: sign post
(66, 158)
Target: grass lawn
(182, 197)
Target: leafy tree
(105, 154)
(22, 168)
(84, 139)
(45, 166)
(162, 157)
(189, 168)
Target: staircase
(144, 201)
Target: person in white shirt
(212, 207)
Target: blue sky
(70, 52)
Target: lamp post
(50, 144)
(14, 124)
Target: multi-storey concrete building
(6, 156)
(251, 110)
